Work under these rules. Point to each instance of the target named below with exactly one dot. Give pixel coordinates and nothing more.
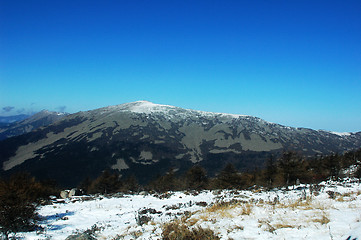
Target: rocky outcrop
(70, 193)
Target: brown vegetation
(177, 230)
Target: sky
(296, 63)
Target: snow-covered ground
(331, 210)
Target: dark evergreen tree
(196, 178)
(290, 167)
(358, 173)
(105, 183)
(167, 182)
(85, 185)
(228, 178)
(270, 172)
(18, 201)
(130, 184)
(333, 164)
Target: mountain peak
(148, 107)
(140, 107)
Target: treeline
(288, 169)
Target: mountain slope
(29, 124)
(146, 139)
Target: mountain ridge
(145, 139)
(13, 118)
(148, 106)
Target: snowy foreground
(331, 210)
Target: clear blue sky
(297, 63)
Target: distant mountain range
(146, 139)
(17, 125)
(4, 120)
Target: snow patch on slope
(342, 134)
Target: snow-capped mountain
(29, 123)
(145, 139)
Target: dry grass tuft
(323, 220)
(192, 221)
(266, 224)
(137, 234)
(224, 209)
(177, 230)
(282, 225)
(306, 204)
(220, 206)
(348, 197)
(246, 209)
